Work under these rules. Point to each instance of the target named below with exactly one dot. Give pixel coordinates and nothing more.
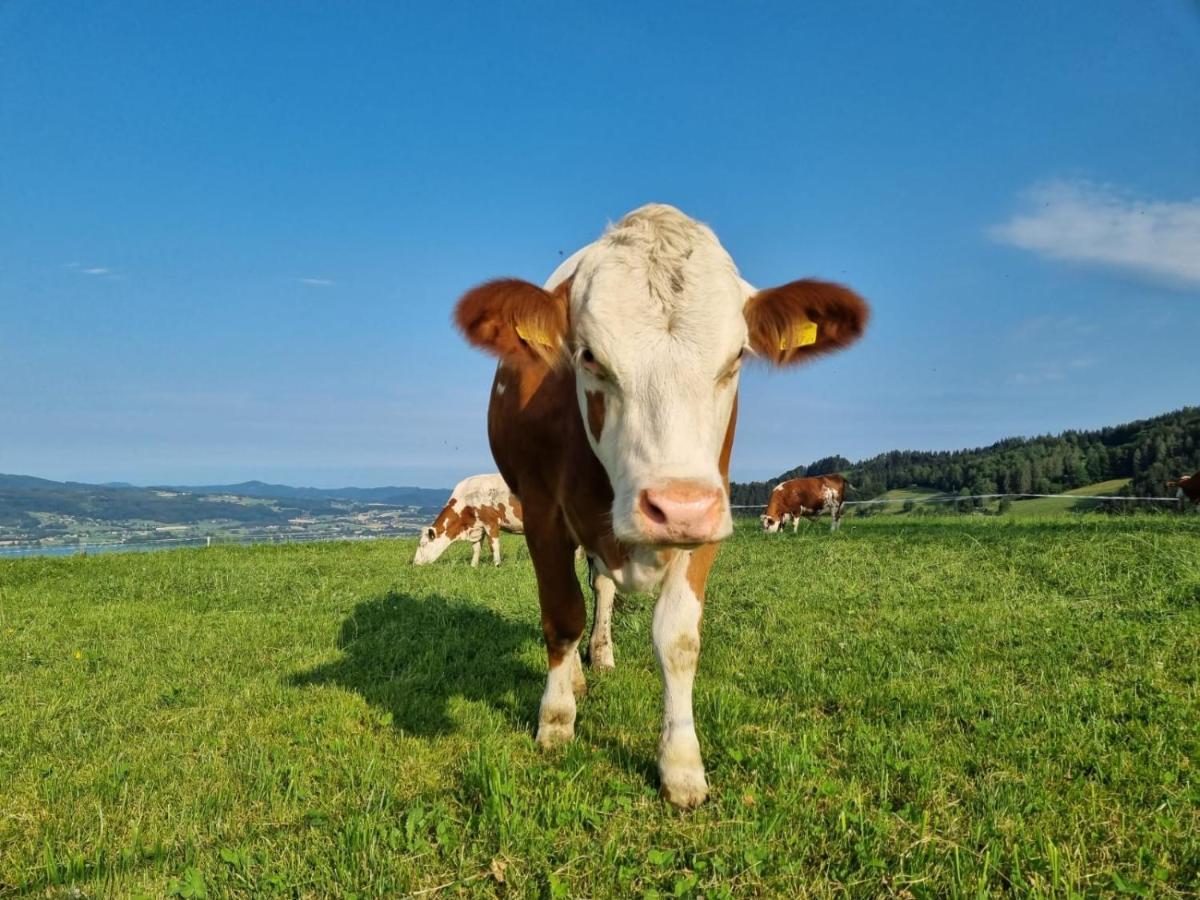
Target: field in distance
(924, 707)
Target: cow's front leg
(476, 548)
(563, 618)
(600, 647)
(676, 632)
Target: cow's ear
(515, 320)
(796, 321)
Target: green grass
(1043, 507)
(929, 708)
(898, 495)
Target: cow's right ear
(515, 320)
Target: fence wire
(955, 498)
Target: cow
(1187, 489)
(480, 506)
(612, 416)
(805, 497)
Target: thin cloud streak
(1079, 221)
(317, 282)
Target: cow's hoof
(601, 659)
(554, 734)
(684, 788)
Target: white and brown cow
(612, 417)
(1187, 490)
(480, 506)
(805, 498)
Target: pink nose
(681, 512)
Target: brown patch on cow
(454, 523)
(698, 568)
(774, 314)
(595, 413)
(490, 517)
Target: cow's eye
(588, 360)
(733, 367)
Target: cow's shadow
(410, 656)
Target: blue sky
(231, 234)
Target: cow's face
(431, 546)
(770, 524)
(448, 527)
(656, 322)
(656, 378)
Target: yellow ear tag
(533, 337)
(800, 336)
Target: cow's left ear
(796, 321)
(515, 320)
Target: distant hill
(1147, 452)
(392, 496)
(23, 498)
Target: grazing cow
(612, 416)
(481, 506)
(807, 497)
(1188, 489)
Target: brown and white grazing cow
(1188, 490)
(807, 497)
(480, 506)
(612, 417)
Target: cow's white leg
(476, 547)
(795, 524)
(496, 550)
(600, 647)
(837, 517)
(556, 715)
(676, 632)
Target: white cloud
(96, 270)
(317, 282)
(1079, 221)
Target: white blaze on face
(770, 524)
(657, 330)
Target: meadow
(912, 707)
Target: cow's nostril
(651, 510)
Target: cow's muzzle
(682, 513)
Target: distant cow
(805, 497)
(1188, 489)
(612, 416)
(481, 506)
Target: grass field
(928, 708)
(1044, 507)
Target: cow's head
(655, 322)
(451, 525)
(771, 524)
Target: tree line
(1151, 452)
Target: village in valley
(43, 517)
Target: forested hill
(1150, 451)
